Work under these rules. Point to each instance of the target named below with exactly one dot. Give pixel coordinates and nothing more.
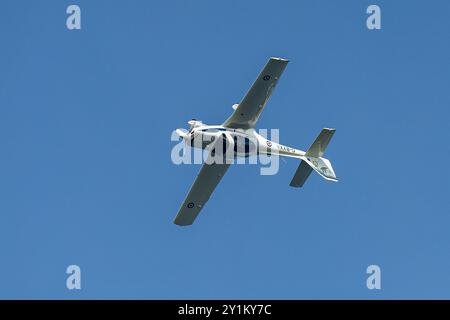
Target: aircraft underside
(237, 137)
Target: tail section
(312, 160)
(302, 173)
(319, 145)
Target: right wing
(247, 112)
(204, 185)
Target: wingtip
(181, 224)
(279, 59)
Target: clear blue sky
(85, 170)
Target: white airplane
(239, 135)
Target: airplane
(239, 135)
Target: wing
(204, 185)
(247, 113)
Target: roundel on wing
(190, 205)
(266, 77)
(269, 144)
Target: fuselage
(245, 143)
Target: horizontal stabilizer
(302, 173)
(323, 167)
(313, 160)
(319, 145)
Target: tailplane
(313, 160)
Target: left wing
(248, 111)
(204, 185)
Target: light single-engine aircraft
(239, 134)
